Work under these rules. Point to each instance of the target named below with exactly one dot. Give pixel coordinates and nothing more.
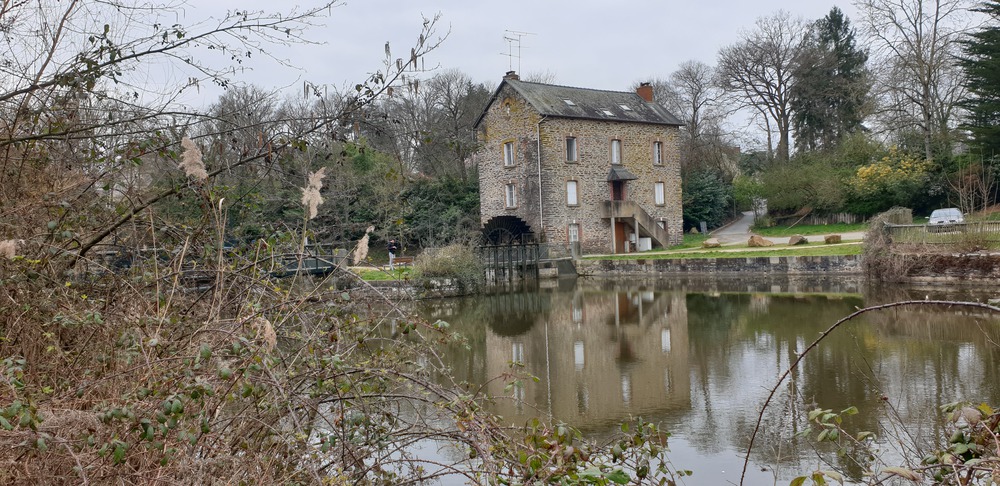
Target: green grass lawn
(811, 229)
(690, 241)
(377, 275)
(812, 249)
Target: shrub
(804, 183)
(880, 263)
(898, 179)
(706, 198)
(458, 263)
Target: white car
(944, 219)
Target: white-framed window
(572, 198)
(573, 232)
(579, 358)
(626, 389)
(616, 151)
(658, 153)
(571, 153)
(658, 194)
(510, 198)
(517, 353)
(508, 153)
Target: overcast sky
(586, 43)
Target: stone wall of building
(593, 141)
(511, 118)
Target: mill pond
(699, 356)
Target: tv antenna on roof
(512, 36)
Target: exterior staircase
(631, 210)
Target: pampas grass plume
(311, 198)
(361, 251)
(8, 249)
(265, 333)
(191, 160)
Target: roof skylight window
(569, 102)
(625, 107)
(608, 113)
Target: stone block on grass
(797, 240)
(831, 239)
(759, 242)
(711, 243)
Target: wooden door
(621, 236)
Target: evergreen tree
(830, 93)
(981, 63)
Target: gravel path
(738, 232)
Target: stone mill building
(579, 167)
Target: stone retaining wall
(789, 265)
(405, 290)
(952, 267)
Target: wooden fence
(509, 263)
(921, 234)
(316, 259)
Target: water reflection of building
(603, 354)
(598, 356)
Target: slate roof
(589, 104)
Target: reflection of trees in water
(702, 362)
(728, 331)
(896, 366)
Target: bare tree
(397, 121)
(75, 83)
(450, 140)
(758, 69)
(917, 41)
(428, 124)
(693, 95)
(974, 187)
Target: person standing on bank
(393, 248)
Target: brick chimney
(645, 90)
(512, 75)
